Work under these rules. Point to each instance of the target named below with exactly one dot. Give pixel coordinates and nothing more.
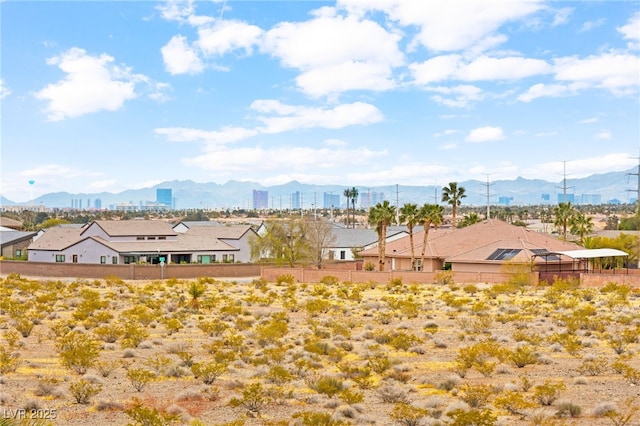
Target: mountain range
(613, 187)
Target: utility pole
(564, 183)
(637, 190)
(488, 185)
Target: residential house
(13, 244)
(140, 241)
(482, 247)
(348, 243)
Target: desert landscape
(251, 352)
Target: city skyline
(110, 96)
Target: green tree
(347, 194)
(409, 214)
(321, 237)
(354, 197)
(430, 214)
(284, 242)
(381, 216)
(51, 222)
(453, 195)
(580, 225)
(469, 219)
(563, 213)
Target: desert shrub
(208, 372)
(133, 334)
(327, 385)
(444, 277)
(140, 378)
(47, 386)
(316, 306)
(173, 325)
(160, 364)
(593, 367)
(329, 280)
(271, 331)
(523, 355)
(196, 291)
(361, 375)
(514, 402)
(477, 396)
(407, 415)
(623, 416)
(568, 409)
(78, 351)
(8, 359)
(105, 368)
(82, 390)
(632, 375)
(108, 333)
(285, 279)
(278, 374)
(214, 327)
(150, 416)
(254, 399)
(351, 397)
(24, 325)
(461, 417)
(379, 362)
(392, 393)
(547, 393)
(315, 418)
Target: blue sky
(109, 96)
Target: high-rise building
(260, 199)
(296, 201)
(331, 200)
(163, 197)
(566, 198)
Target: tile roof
(127, 228)
(222, 231)
(57, 238)
(446, 243)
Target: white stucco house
(146, 241)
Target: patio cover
(591, 253)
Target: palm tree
(470, 219)
(354, 197)
(580, 225)
(409, 214)
(453, 195)
(347, 194)
(563, 213)
(381, 216)
(430, 214)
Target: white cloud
(4, 90)
(590, 25)
(604, 135)
(581, 168)
(277, 117)
(631, 31)
(451, 25)
(457, 96)
(296, 117)
(416, 173)
(92, 83)
(446, 132)
(336, 54)
(485, 134)
(291, 158)
(541, 90)
(226, 36)
(483, 68)
(590, 120)
(616, 72)
(180, 58)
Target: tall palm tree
(409, 215)
(453, 195)
(580, 225)
(563, 213)
(347, 194)
(354, 197)
(430, 214)
(381, 216)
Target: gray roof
(57, 238)
(193, 223)
(12, 237)
(127, 228)
(232, 232)
(358, 237)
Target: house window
(204, 258)
(114, 260)
(151, 238)
(343, 255)
(162, 238)
(59, 258)
(224, 257)
(231, 258)
(129, 259)
(103, 259)
(18, 252)
(139, 238)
